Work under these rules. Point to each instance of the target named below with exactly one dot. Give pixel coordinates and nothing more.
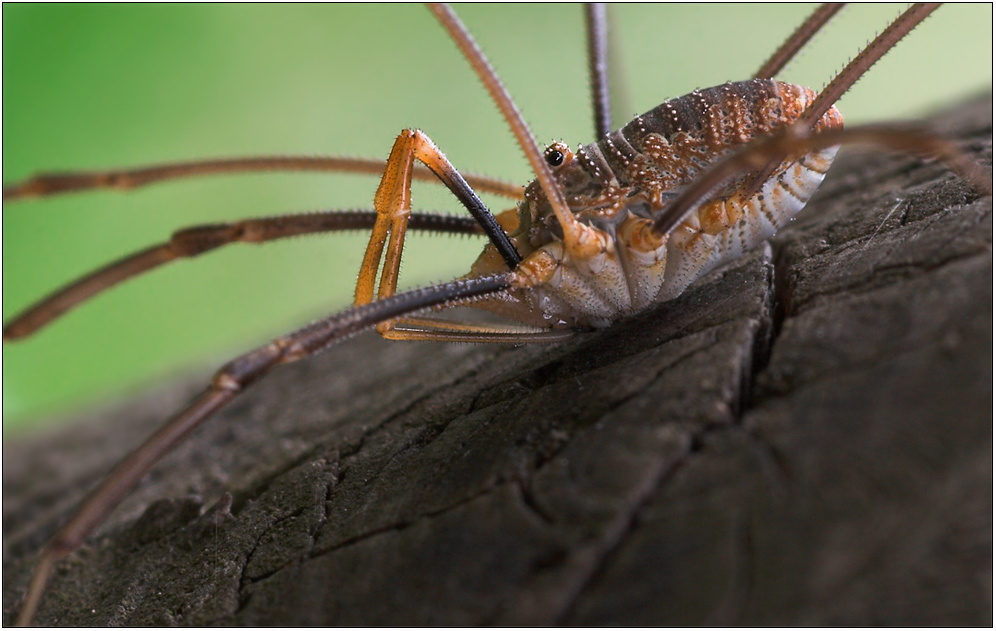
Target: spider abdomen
(619, 184)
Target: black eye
(554, 158)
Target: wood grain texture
(803, 437)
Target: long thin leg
(619, 80)
(228, 382)
(816, 21)
(197, 240)
(596, 22)
(580, 240)
(871, 53)
(886, 40)
(53, 183)
(798, 140)
(574, 232)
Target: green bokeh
(91, 86)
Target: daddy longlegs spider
(593, 299)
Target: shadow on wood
(803, 437)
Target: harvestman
(622, 224)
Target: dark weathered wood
(804, 437)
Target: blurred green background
(94, 86)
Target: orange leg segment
(393, 205)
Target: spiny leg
(798, 140)
(46, 184)
(196, 240)
(228, 382)
(574, 231)
(886, 40)
(580, 239)
(791, 47)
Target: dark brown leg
(847, 77)
(53, 183)
(871, 53)
(798, 140)
(573, 230)
(196, 240)
(228, 382)
(780, 58)
(597, 25)
(619, 81)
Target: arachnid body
(335, 477)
